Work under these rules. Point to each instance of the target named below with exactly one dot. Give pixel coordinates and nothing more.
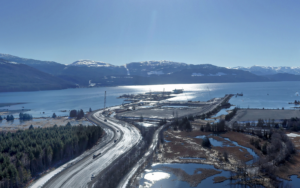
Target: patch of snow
(152, 177)
(162, 62)
(128, 73)
(90, 63)
(9, 62)
(267, 70)
(218, 74)
(91, 84)
(293, 135)
(155, 72)
(147, 124)
(197, 74)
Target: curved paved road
(77, 173)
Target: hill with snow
(92, 73)
(49, 67)
(91, 63)
(268, 70)
(21, 77)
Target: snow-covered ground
(147, 124)
(293, 135)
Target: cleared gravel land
(161, 113)
(254, 115)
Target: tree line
(229, 116)
(183, 124)
(9, 118)
(24, 116)
(77, 113)
(28, 152)
(214, 127)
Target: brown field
(184, 144)
(242, 139)
(235, 152)
(291, 167)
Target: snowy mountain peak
(90, 63)
(26, 61)
(3, 61)
(268, 70)
(162, 62)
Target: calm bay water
(255, 96)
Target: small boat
(177, 91)
(239, 94)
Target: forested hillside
(49, 67)
(20, 77)
(26, 153)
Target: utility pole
(104, 100)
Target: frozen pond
(158, 177)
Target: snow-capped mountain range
(92, 73)
(160, 63)
(268, 70)
(24, 60)
(91, 63)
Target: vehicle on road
(105, 120)
(96, 155)
(93, 176)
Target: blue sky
(223, 32)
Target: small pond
(157, 176)
(213, 141)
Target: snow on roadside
(293, 135)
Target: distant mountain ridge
(84, 72)
(91, 63)
(268, 70)
(50, 67)
(21, 77)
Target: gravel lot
(161, 113)
(255, 114)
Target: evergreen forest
(26, 153)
